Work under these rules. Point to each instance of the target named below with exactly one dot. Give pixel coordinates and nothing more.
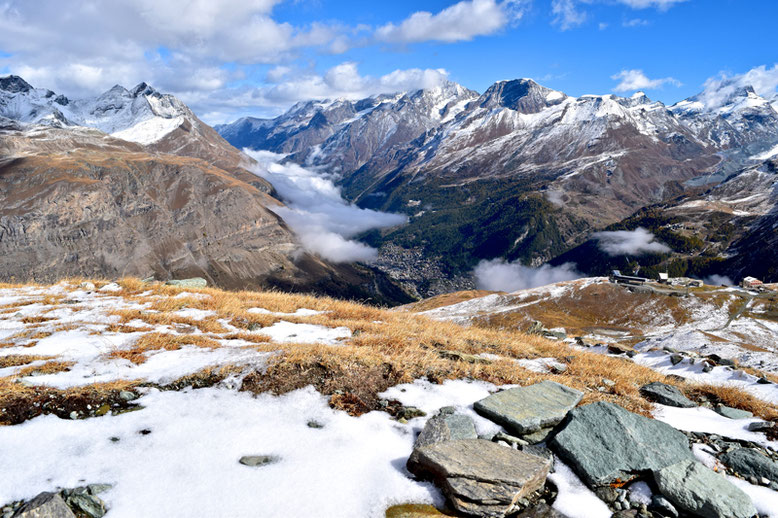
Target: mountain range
(520, 172)
(132, 183)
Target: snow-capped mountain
(141, 115)
(521, 171)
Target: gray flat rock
(605, 443)
(666, 395)
(693, 488)
(45, 505)
(481, 477)
(733, 413)
(443, 427)
(194, 282)
(751, 463)
(523, 410)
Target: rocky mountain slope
(727, 229)
(519, 172)
(163, 194)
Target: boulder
(606, 444)
(751, 463)
(194, 282)
(666, 395)
(259, 460)
(733, 413)
(481, 477)
(443, 427)
(699, 491)
(524, 410)
(760, 426)
(45, 505)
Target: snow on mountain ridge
(141, 115)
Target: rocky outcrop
(692, 487)
(606, 444)
(524, 410)
(751, 464)
(480, 477)
(666, 395)
(45, 505)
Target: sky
(232, 58)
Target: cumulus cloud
(460, 22)
(718, 90)
(629, 242)
(631, 80)
(341, 81)
(318, 214)
(569, 14)
(566, 14)
(499, 275)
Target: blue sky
(257, 57)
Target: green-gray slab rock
(45, 505)
(194, 282)
(480, 477)
(443, 427)
(699, 491)
(666, 395)
(751, 463)
(733, 413)
(524, 410)
(605, 444)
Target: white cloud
(718, 280)
(643, 4)
(499, 275)
(629, 242)
(460, 22)
(635, 22)
(717, 90)
(318, 214)
(631, 80)
(566, 14)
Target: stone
(675, 359)
(751, 463)
(510, 439)
(540, 511)
(127, 395)
(606, 444)
(441, 428)
(763, 381)
(194, 282)
(463, 357)
(45, 505)
(760, 426)
(732, 413)
(88, 505)
(663, 506)
(615, 348)
(666, 395)
(523, 410)
(607, 494)
(699, 491)
(481, 477)
(259, 460)
(537, 436)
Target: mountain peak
(14, 84)
(523, 95)
(143, 88)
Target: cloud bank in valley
(500, 275)
(629, 242)
(317, 212)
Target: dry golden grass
(51, 367)
(36, 319)
(391, 347)
(15, 360)
(161, 341)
